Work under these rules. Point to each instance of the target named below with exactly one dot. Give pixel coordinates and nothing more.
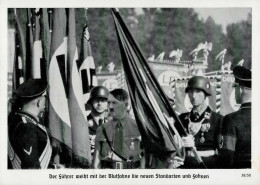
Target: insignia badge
(28, 152)
(132, 145)
(220, 143)
(90, 122)
(202, 139)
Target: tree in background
(159, 30)
(239, 41)
(213, 33)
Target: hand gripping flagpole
(146, 93)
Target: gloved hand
(177, 162)
(58, 166)
(188, 141)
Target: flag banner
(228, 95)
(182, 101)
(79, 126)
(45, 37)
(18, 66)
(59, 120)
(37, 45)
(29, 47)
(87, 67)
(155, 118)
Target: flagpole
(133, 60)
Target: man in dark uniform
(118, 141)
(29, 145)
(99, 110)
(236, 131)
(202, 123)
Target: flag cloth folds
(59, 120)
(18, 67)
(79, 126)
(87, 66)
(45, 36)
(29, 47)
(154, 116)
(37, 46)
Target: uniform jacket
(236, 132)
(93, 125)
(29, 140)
(210, 135)
(131, 140)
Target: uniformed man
(29, 144)
(236, 130)
(118, 141)
(202, 123)
(99, 110)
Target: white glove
(59, 166)
(177, 162)
(188, 141)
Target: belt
(206, 153)
(120, 165)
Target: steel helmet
(98, 92)
(199, 82)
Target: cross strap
(111, 147)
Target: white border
(216, 176)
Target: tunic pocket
(132, 146)
(104, 148)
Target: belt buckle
(119, 165)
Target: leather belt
(120, 165)
(206, 153)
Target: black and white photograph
(136, 94)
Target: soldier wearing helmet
(98, 103)
(201, 123)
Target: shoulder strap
(109, 144)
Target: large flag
(59, 120)
(18, 67)
(79, 126)
(87, 66)
(154, 116)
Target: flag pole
(132, 57)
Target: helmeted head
(198, 89)
(98, 98)
(199, 82)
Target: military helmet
(199, 82)
(98, 92)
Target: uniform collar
(207, 111)
(122, 121)
(28, 116)
(246, 105)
